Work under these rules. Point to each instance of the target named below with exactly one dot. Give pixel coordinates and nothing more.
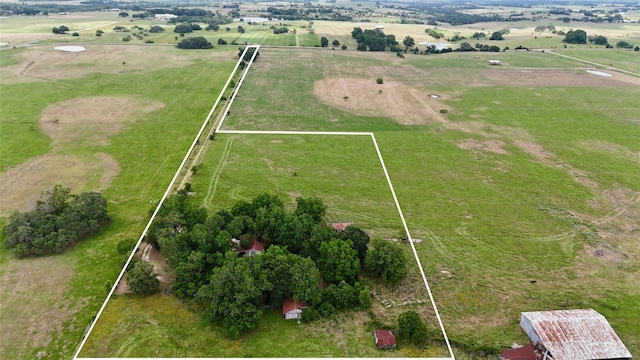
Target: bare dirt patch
(146, 252)
(494, 146)
(50, 64)
(21, 186)
(33, 305)
(555, 77)
(391, 99)
(85, 121)
(92, 119)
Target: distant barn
(495, 62)
(379, 27)
(581, 334)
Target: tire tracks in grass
(215, 178)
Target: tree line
(57, 222)
(300, 246)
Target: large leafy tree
(386, 259)
(305, 278)
(234, 294)
(575, 37)
(339, 261)
(141, 279)
(314, 207)
(359, 238)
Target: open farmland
(517, 209)
(113, 118)
(519, 183)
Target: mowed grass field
(548, 220)
(48, 301)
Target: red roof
(339, 226)
(574, 334)
(257, 245)
(385, 338)
(290, 304)
(527, 352)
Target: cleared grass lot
(71, 287)
(512, 195)
(526, 177)
(351, 182)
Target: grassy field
(493, 219)
(71, 286)
(159, 326)
(522, 190)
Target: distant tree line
(58, 221)
(299, 247)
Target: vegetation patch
(373, 97)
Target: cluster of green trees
(61, 219)
(197, 42)
(299, 247)
(575, 37)
(374, 40)
(60, 30)
(280, 30)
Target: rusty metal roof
(575, 334)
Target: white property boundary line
(250, 132)
(166, 193)
(393, 193)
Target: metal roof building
(581, 334)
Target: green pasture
(484, 218)
(262, 35)
(621, 59)
(290, 98)
(305, 39)
(240, 167)
(148, 152)
(159, 326)
(44, 23)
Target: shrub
(379, 81)
(142, 280)
(411, 328)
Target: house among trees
(256, 248)
(385, 339)
(339, 226)
(292, 309)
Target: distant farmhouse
(164, 16)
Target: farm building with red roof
(256, 248)
(581, 334)
(292, 309)
(385, 339)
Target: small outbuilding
(256, 248)
(385, 339)
(495, 62)
(527, 352)
(292, 309)
(581, 334)
(339, 226)
(379, 27)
